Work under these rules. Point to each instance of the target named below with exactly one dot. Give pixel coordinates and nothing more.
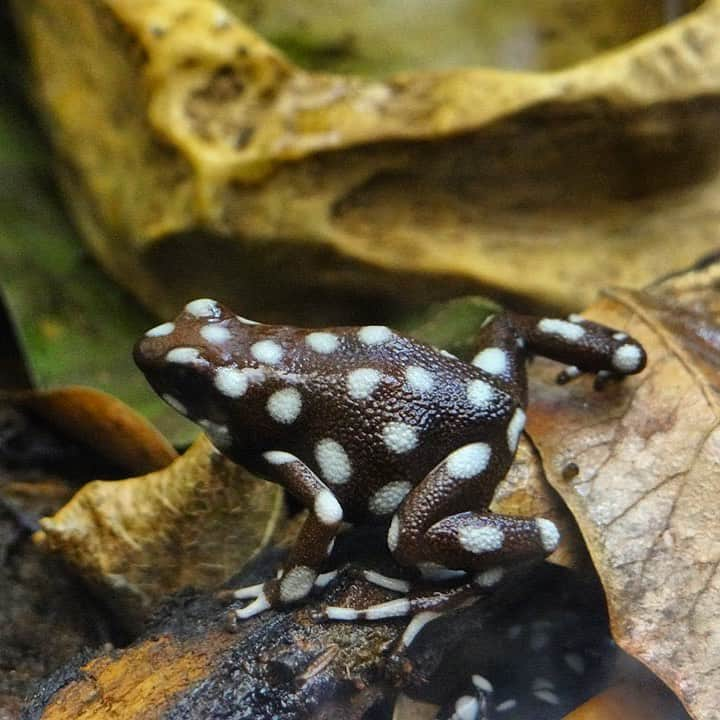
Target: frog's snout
(149, 353)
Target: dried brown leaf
(647, 486)
(103, 422)
(209, 164)
(196, 522)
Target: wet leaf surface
(645, 493)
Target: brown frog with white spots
(365, 425)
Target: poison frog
(366, 425)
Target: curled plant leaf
(194, 522)
(210, 164)
(99, 420)
(638, 466)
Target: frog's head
(190, 362)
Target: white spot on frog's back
(387, 499)
(362, 382)
(334, 463)
(160, 330)
(215, 334)
(547, 696)
(267, 351)
(399, 437)
(492, 360)
(515, 427)
(183, 356)
(297, 583)
(419, 379)
(374, 334)
(575, 662)
(480, 394)
(284, 405)
(569, 331)
(627, 358)
(468, 461)
(203, 307)
(478, 540)
(322, 342)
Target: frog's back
(390, 411)
(363, 407)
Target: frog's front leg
(313, 545)
(432, 532)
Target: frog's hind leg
(445, 521)
(428, 533)
(300, 573)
